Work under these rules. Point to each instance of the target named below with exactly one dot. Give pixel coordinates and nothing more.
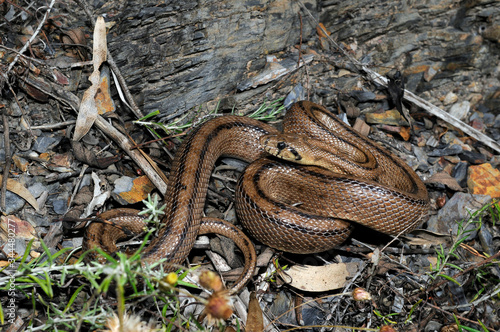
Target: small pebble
(452, 159)
(496, 123)
(60, 206)
(459, 172)
(484, 180)
(13, 202)
(460, 110)
(474, 158)
(459, 207)
(450, 98)
(447, 151)
(46, 143)
(488, 119)
(362, 96)
(428, 124)
(477, 124)
(495, 134)
(432, 142)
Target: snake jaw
(281, 146)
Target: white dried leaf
(87, 113)
(321, 278)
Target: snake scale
(286, 205)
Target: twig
(300, 41)
(51, 126)
(408, 95)
(8, 159)
(28, 43)
(22, 55)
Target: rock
(46, 143)
(390, 117)
(450, 138)
(298, 93)
(459, 172)
(495, 134)
(447, 151)
(477, 124)
(361, 127)
(495, 161)
(430, 73)
(458, 208)
(14, 109)
(433, 326)
(428, 124)
(273, 70)
(450, 98)
(460, 110)
(496, 123)
(474, 158)
(362, 95)
(178, 55)
(432, 142)
(13, 202)
(60, 206)
(484, 180)
(37, 188)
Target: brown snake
(291, 207)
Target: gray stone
(460, 110)
(459, 172)
(457, 210)
(447, 151)
(60, 206)
(36, 189)
(45, 143)
(496, 123)
(450, 98)
(13, 202)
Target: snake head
(285, 146)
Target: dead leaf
(255, 320)
(13, 226)
(321, 278)
(20, 163)
(99, 196)
(20, 190)
(75, 39)
(88, 157)
(423, 237)
(445, 179)
(87, 113)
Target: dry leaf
(255, 320)
(321, 278)
(22, 229)
(20, 190)
(423, 237)
(99, 197)
(87, 113)
(88, 157)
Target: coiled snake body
(291, 207)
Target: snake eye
(281, 145)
